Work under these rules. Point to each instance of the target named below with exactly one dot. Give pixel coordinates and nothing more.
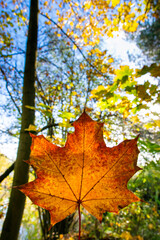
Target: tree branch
(48, 126)
(74, 43)
(20, 73)
(7, 172)
(9, 91)
(8, 131)
(13, 54)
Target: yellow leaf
(130, 26)
(74, 93)
(47, 22)
(125, 113)
(97, 90)
(31, 128)
(107, 21)
(45, 3)
(110, 60)
(71, 24)
(74, 47)
(58, 12)
(139, 238)
(60, 5)
(134, 119)
(115, 2)
(126, 235)
(85, 39)
(157, 122)
(87, 5)
(110, 33)
(148, 125)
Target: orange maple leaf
(83, 172)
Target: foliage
(126, 95)
(8, 22)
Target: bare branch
(9, 132)
(13, 54)
(20, 73)
(7, 82)
(40, 86)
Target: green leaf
(153, 69)
(66, 115)
(151, 147)
(30, 107)
(123, 73)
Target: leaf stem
(79, 214)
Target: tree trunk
(17, 199)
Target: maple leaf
(83, 172)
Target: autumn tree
(15, 210)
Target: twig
(13, 54)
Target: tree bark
(14, 214)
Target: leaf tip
(32, 135)
(17, 187)
(50, 227)
(139, 168)
(26, 161)
(100, 219)
(137, 137)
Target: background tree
(148, 40)
(17, 200)
(148, 34)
